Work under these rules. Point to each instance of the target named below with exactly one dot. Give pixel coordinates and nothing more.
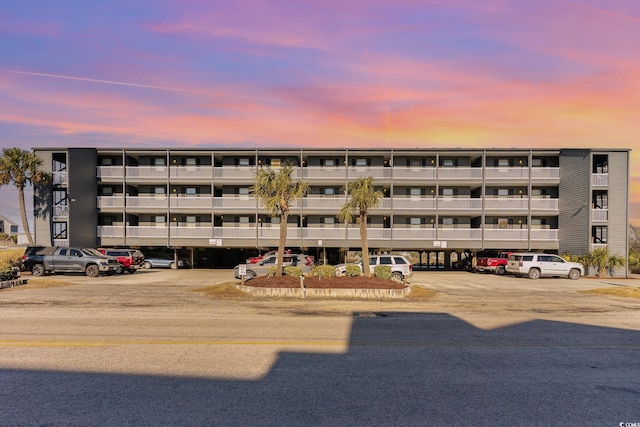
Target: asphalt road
(144, 350)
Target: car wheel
(120, 269)
(37, 270)
(500, 270)
(172, 266)
(92, 270)
(534, 273)
(132, 270)
(250, 275)
(146, 265)
(574, 274)
(397, 277)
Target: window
(275, 163)
(329, 162)
(243, 191)
(415, 192)
(159, 161)
(503, 163)
(243, 161)
(537, 163)
(243, 221)
(399, 260)
(448, 222)
(158, 190)
(328, 220)
(447, 192)
(60, 230)
(159, 219)
(448, 163)
(415, 222)
(191, 221)
(415, 163)
(190, 162)
(107, 191)
(385, 260)
(600, 200)
(107, 220)
(361, 162)
(503, 192)
(599, 234)
(191, 191)
(106, 161)
(328, 191)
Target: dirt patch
(324, 283)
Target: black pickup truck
(46, 259)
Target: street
(145, 349)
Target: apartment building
(441, 204)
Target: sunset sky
(336, 73)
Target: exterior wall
(618, 212)
(575, 172)
(83, 192)
(42, 205)
(546, 206)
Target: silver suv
(262, 268)
(401, 267)
(536, 265)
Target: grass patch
(626, 292)
(418, 292)
(224, 291)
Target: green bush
(382, 271)
(352, 270)
(292, 271)
(272, 271)
(10, 258)
(324, 271)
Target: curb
(325, 293)
(12, 283)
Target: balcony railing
(333, 203)
(148, 231)
(113, 202)
(600, 179)
(459, 173)
(544, 204)
(191, 172)
(60, 211)
(446, 203)
(234, 202)
(274, 232)
(459, 234)
(506, 203)
(111, 231)
(377, 172)
(59, 178)
(191, 231)
(545, 173)
(417, 233)
(599, 214)
(372, 233)
(110, 173)
(507, 173)
(414, 202)
(154, 173)
(544, 234)
(147, 202)
(506, 234)
(235, 172)
(234, 232)
(324, 172)
(191, 202)
(326, 233)
(416, 173)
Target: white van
(536, 265)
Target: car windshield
(91, 252)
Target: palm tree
(363, 198)
(20, 168)
(604, 261)
(277, 191)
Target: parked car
(308, 259)
(262, 268)
(497, 264)
(537, 265)
(130, 259)
(42, 260)
(160, 260)
(401, 267)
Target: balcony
(324, 172)
(599, 214)
(147, 173)
(60, 211)
(373, 233)
(274, 233)
(326, 203)
(110, 173)
(111, 231)
(545, 174)
(203, 202)
(544, 234)
(415, 173)
(159, 231)
(515, 234)
(191, 173)
(242, 202)
(506, 203)
(235, 173)
(540, 204)
(417, 233)
(459, 173)
(147, 202)
(235, 232)
(336, 232)
(413, 203)
(455, 203)
(506, 173)
(59, 178)
(376, 172)
(191, 231)
(459, 234)
(600, 179)
(110, 202)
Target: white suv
(536, 265)
(401, 267)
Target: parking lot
(145, 349)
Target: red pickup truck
(496, 264)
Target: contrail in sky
(166, 88)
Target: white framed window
(360, 162)
(159, 161)
(415, 193)
(244, 161)
(243, 221)
(329, 191)
(191, 191)
(159, 220)
(503, 192)
(329, 162)
(415, 222)
(330, 220)
(190, 161)
(448, 163)
(191, 220)
(107, 191)
(415, 163)
(447, 222)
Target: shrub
(324, 271)
(382, 271)
(272, 271)
(352, 270)
(292, 271)
(10, 258)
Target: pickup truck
(496, 264)
(68, 260)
